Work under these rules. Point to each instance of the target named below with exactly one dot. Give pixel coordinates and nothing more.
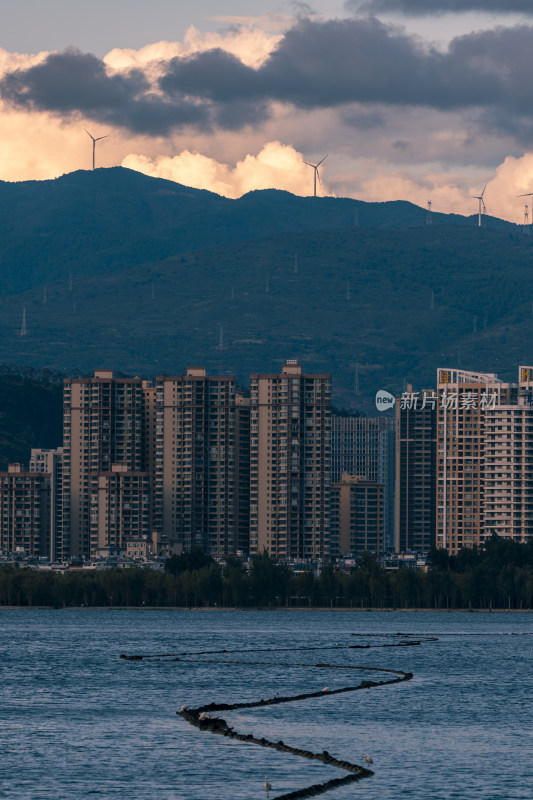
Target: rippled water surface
(76, 721)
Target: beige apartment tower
(25, 512)
(290, 464)
(120, 508)
(465, 401)
(103, 424)
(201, 466)
(357, 516)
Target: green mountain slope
(92, 223)
(31, 409)
(394, 305)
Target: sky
(410, 99)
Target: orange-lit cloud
(276, 166)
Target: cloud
(275, 166)
(421, 8)
(315, 64)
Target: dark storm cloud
(74, 82)
(421, 8)
(334, 63)
(317, 64)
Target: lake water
(78, 722)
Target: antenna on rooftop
(97, 139)
(23, 330)
(316, 175)
(428, 215)
(295, 268)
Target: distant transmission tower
(23, 330)
(428, 215)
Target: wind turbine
(98, 138)
(528, 194)
(316, 175)
(482, 206)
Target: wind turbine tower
(94, 140)
(428, 216)
(526, 215)
(482, 209)
(316, 175)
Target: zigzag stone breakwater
(204, 717)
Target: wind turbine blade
(320, 162)
(483, 192)
(528, 194)
(318, 176)
(88, 134)
(102, 137)
(309, 164)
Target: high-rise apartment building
(508, 465)
(120, 508)
(103, 425)
(200, 476)
(416, 471)
(464, 401)
(25, 512)
(365, 446)
(290, 463)
(50, 462)
(357, 516)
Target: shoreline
(321, 609)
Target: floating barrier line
(201, 717)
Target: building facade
(120, 508)
(201, 463)
(416, 472)
(103, 424)
(50, 462)
(464, 400)
(365, 446)
(357, 516)
(290, 463)
(25, 512)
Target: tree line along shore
(497, 576)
